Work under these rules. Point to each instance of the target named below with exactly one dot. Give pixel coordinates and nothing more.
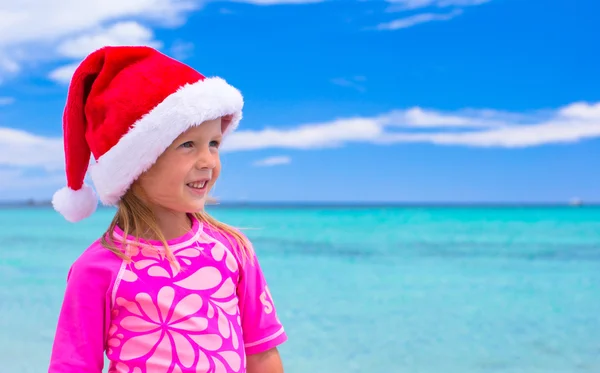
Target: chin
(195, 206)
(185, 206)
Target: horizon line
(226, 204)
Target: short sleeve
(261, 327)
(80, 333)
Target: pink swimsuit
(151, 318)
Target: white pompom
(75, 205)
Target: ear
(225, 122)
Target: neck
(173, 224)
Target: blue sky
(378, 101)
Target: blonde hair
(135, 218)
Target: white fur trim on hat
(75, 205)
(148, 138)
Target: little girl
(167, 288)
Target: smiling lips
(198, 186)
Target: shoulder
(242, 253)
(96, 264)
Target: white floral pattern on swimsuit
(206, 317)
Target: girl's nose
(206, 160)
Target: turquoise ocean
(366, 289)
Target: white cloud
(6, 101)
(17, 180)
(278, 2)
(418, 19)
(443, 3)
(572, 123)
(22, 149)
(354, 82)
(509, 136)
(401, 5)
(64, 73)
(48, 20)
(181, 50)
(122, 33)
(30, 30)
(309, 136)
(9, 65)
(417, 117)
(472, 128)
(273, 161)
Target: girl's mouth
(198, 184)
(199, 187)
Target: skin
(267, 362)
(193, 156)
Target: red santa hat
(125, 106)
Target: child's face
(180, 179)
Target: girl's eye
(188, 144)
(215, 143)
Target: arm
(263, 331)
(79, 340)
(265, 362)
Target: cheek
(216, 171)
(159, 180)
